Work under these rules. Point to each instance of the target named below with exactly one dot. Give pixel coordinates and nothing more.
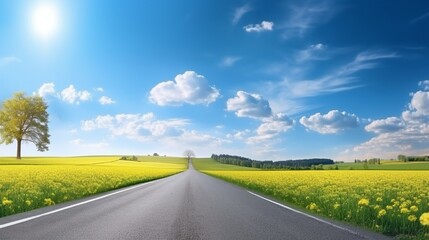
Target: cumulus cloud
(135, 126)
(271, 127)
(188, 87)
(407, 134)
(276, 124)
(390, 124)
(418, 108)
(146, 127)
(240, 134)
(262, 27)
(71, 95)
(249, 105)
(332, 122)
(240, 12)
(424, 85)
(106, 100)
(46, 89)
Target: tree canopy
(189, 154)
(24, 118)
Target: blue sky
(261, 79)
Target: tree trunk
(18, 149)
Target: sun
(45, 20)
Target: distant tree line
(404, 158)
(369, 161)
(313, 163)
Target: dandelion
(424, 219)
(7, 202)
(381, 213)
(389, 207)
(414, 208)
(412, 218)
(379, 199)
(404, 210)
(336, 205)
(48, 202)
(363, 202)
(312, 206)
(28, 202)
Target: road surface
(189, 205)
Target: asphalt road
(189, 205)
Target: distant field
(36, 182)
(385, 165)
(208, 164)
(391, 202)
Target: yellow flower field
(391, 202)
(25, 187)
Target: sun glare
(45, 20)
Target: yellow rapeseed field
(391, 202)
(24, 187)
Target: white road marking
(305, 214)
(74, 205)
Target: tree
(189, 154)
(25, 119)
(402, 158)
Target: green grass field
(385, 165)
(42, 181)
(208, 164)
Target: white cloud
(339, 80)
(332, 122)
(188, 87)
(424, 85)
(418, 109)
(229, 61)
(262, 27)
(106, 100)
(406, 135)
(249, 105)
(136, 126)
(271, 127)
(240, 134)
(9, 60)
(240, 12)
(70, 95)
(390, 124)
(79, 142)
(100, 122)
(99, 89)
(146, 128)
(46, 89)
(306, 16)
(313, 52)
(276, 124)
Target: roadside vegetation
(32, 183)
(395, 203)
